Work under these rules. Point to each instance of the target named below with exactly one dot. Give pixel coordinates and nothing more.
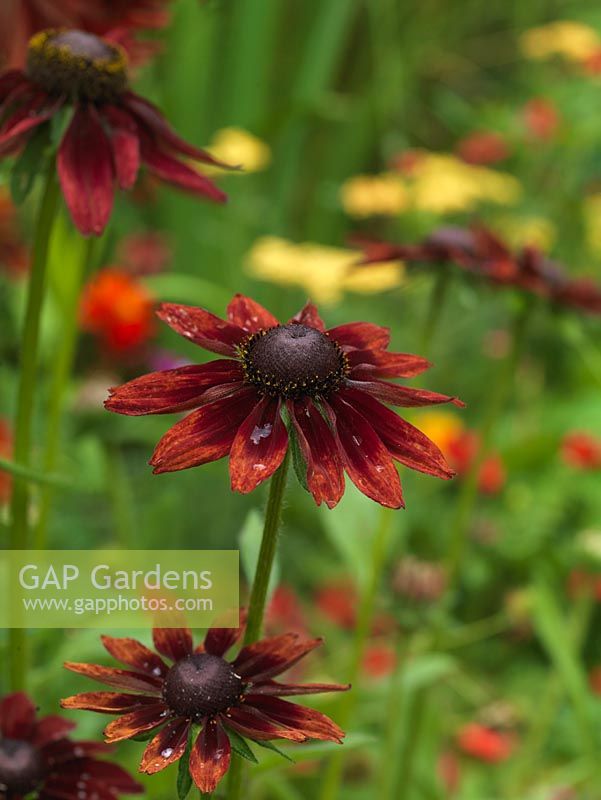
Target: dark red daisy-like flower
(38, 759)
(111, 132)
(481, 252)
(322, 388)
(20, 19)
(199, 686)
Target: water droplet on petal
(167, 752)
(261, 433)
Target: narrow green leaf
(32, 475)
(240, 746)
(270, 746)
(184, 778)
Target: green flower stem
(438, 297)
(258, 595)
(19, 529)
(500, 391)
(332, 780)
(63, 364)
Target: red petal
(219, 640)
(325, 476)
(403, 395)
(402, 440)
(204, 435)
(17, 716)
(309, 315)
(17, 126)
(370, 364)
(169, 169)
(107, 702)
(50, 729)
(85, 170)
(202, 328)
(362, 335)
(126, 145)
(210, 757)
(134, 654)
(259, 446)
(102, 773)
(9, 81)
(119, 678)
(270, 657)
(172, 741)
(366, 459)
(253, 723)
(250, 315)
(275, 689)
(173, 643)
(173, 390)
(312, 724)
(156, 122)
(136, 722)
(65, 750)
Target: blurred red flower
(6, 451)
(483, 147)
(595, 680)
(118, 310)
(582, 583)
(379, 660)
(327, 382)
(147, 253)
(581, 450)
(20, 19)
(338, 601)
(39, 760)
(112, 131)
(461, 453)
(449, 771)
(180, 686)
(14, 256)
(541, 118)
(484, 744)
(285, 611)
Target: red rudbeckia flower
(328, 383)
(484, 743)
(38, 759)
(482, 253)
(20, 19)
(201, 687)
(112, 131)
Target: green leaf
(144, 737)
(184, 778)
(33, 476)
(298, 462)
(250, 545)
(311, 751)
(27, 166)
(270, 746)
(58, 124)
(240, 746)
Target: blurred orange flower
(595, 680)
(582, 583)
(118, 310)
(6, 451)
(581, 450)
(146, 253)
(285, 611)
(485, 744)
(337, 601)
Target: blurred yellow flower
(238, 147)
(443, 183)
(572, 40)
(325, 273)
(442, 427)
(374, 195)
(592, 220)
(527, 231)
